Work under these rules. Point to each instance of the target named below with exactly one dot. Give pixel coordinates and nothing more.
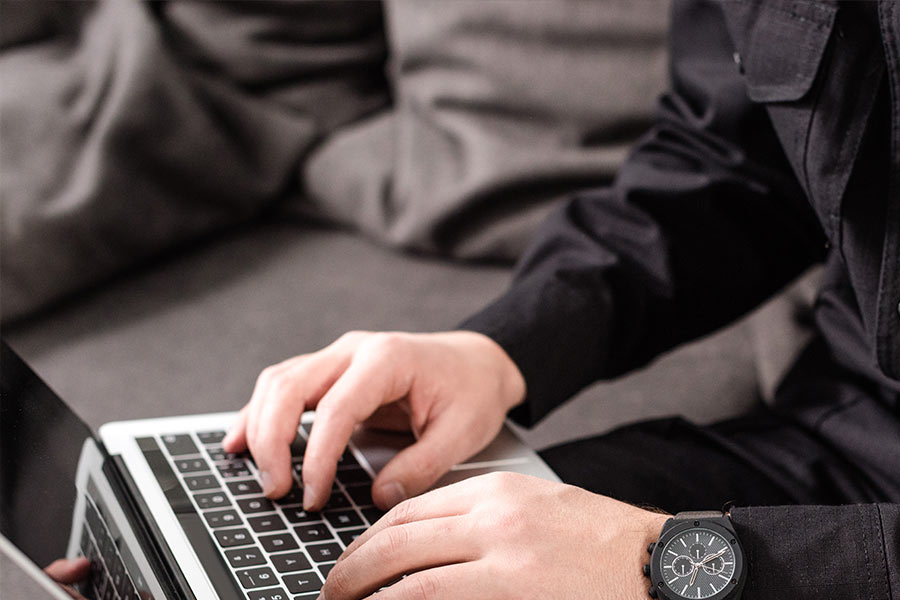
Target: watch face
(698, 563)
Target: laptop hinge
(148, 534)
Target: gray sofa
(190, 332)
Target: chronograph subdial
(682, 566)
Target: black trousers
(761, 459)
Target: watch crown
(647, 570)
(651, 547)
(652, 592)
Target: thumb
(417, 467)
(66, 570)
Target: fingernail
(393, 492)
(309, 497)
(267, 486)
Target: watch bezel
(657, 581)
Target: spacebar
(222, 580)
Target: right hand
(454, 390)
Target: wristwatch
(697, 557)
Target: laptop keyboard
(273, 549)
(109, 577)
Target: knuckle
(351, 338)
(423, 585)
(338, 583)
(383, 343)
(402, 513)
(394, 540)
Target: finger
(368, 382)
(65, 570)
(415, 468)
(460, 580)
(236, 439)
(399, 550)
(291, 388)
(453, 500)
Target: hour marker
(697, 537)
(723, 577)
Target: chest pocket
(781, 48)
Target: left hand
(69, 571)
(501, 535)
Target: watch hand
(712, 556)
(694, 574)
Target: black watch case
(672, 529)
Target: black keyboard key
(109, 592)
(361, 494)
(218, 455)
(313, 596)
(343, 518)
(347, 461)
(324, 552)
(233, 537)
(298, 515)
(303, 582)
(326, 569)
(242, 488)
(266, 523)
(180, 444)
(212, 500)
(298, 446)
(290, 562)
(117, 574)
(210, 437)
(201, 482)
(354, 476)
(337, 500)
(255, 505)
(348, 536)
(273, 594)
(295, 496)
(278, 542)
(255, 578)
(372, 514)
(245, 557)
(222, 518)
(191, 465)
(234, 472)
(317, 532)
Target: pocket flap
(781, 45)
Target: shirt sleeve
(812, 552)
(704, 221)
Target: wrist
(511, 382)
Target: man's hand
(453, 390)
(67, 572)
(501, 535)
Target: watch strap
(699, 514)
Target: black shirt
(777, 147)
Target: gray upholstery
(189, 334)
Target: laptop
(163, 512)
